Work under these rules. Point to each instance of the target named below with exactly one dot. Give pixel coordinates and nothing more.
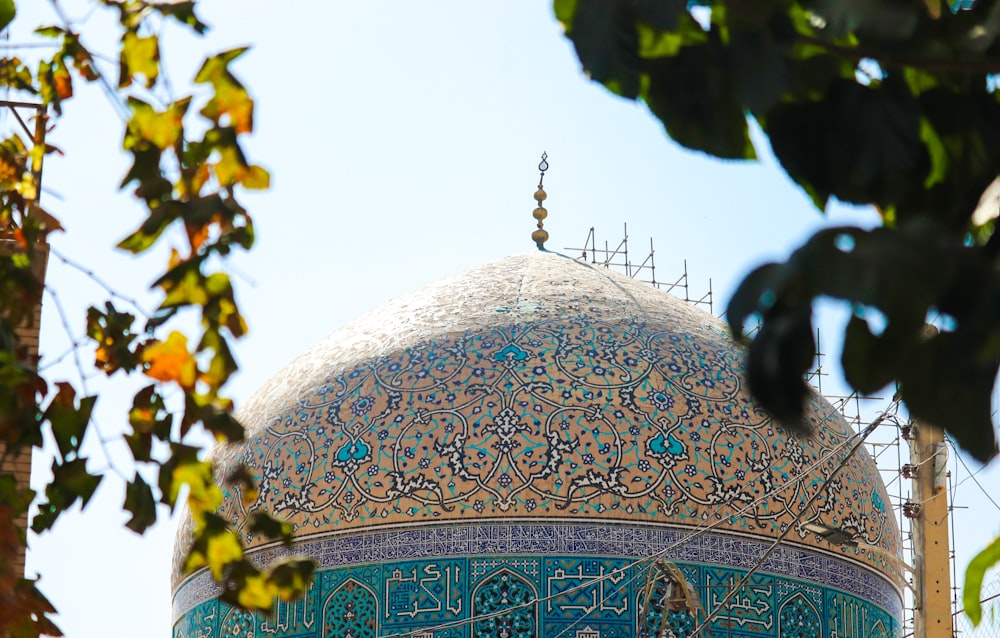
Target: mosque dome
(535, 434)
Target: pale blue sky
(403, 140)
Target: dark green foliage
(882, 103)
(886, 103)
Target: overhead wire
(861, 436)
(972, 475)
(625, 583)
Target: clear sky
(403, 140)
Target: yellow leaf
(162, 129)
(203, 494)
(170, 361)
(231, 100)
(231, 166)
(142, 56)
(257, 178)
(189, 289)
(194, 561)
(256, 593)
(199, 179)
(222, 549)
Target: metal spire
(541, 235)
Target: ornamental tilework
(576, 418)
(799, 565)
(798, 618)
(530, 430)
(492, 598)
(579, 593)
(750, 610)
(351, 611)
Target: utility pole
(929, 515)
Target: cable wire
(972, 475)
(698, 531)
(861, 436)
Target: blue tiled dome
(526, 435)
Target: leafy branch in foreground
(882, 103)
(187, 168)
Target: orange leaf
(170, 361)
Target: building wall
(590, 580)
(27, 350)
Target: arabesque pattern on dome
(583, 417)
(568, 404)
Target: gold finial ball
(540, 195)
(540, 213)
(540, 237)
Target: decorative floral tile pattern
(571, 412)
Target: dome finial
(541, 235)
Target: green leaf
(755, 294)
(919, 80)
(760, 65)
(149, 413)
(214, 414)
(149, 418)
(263, 523)
(51, 31)
(245, 484)
(141, 504)
(70, 482)
(112, 332)
(152, 187)
(693, 96)
(868, 149)
(938, 154)
(231, 167)
(290, 577)
(74, 479)
(947, 381)
(606, 41)
(183, 12)
(974, 573)
(866, 366)
(7, 12)
(780, 354)
(886, 21)
(968, 127)
(216, 68)
(657, 40)
(69, 421)
(244, 586)
(222, 365)
(13, 494)
(152, 227)
(658, 44)
(564, 11)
